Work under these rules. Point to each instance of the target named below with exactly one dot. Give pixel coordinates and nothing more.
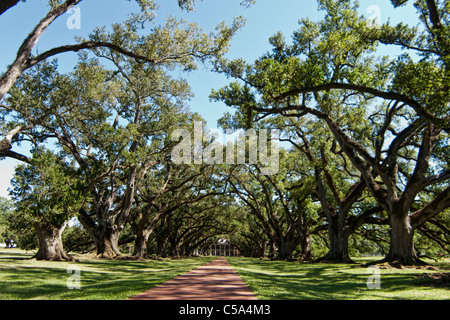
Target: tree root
(436, 279)
(397, 264)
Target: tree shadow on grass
(29, 283)
(46, 283)
(273, 280)
(99, 279)
(14, 254)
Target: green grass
(25, 278)
(278, 280)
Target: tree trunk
(264, 249)
(140, 244)
(107, 243)
(272, 249)
(105, 236)
(401, 249)
(338, 235)
(162, 246)
(50, 242)
(174, 248)
(285, 250)
(306, 249)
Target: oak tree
(332, 72)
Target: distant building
(223, 248)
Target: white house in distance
(222, 248)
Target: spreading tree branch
(421, 110)
(7, 4)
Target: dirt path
(216, 280)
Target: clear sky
(264, 19)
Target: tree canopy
(363, 165)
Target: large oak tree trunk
(140, 244)
(108, 245)
(338, 235)
(50, 242)
(106, 237)
(306, 249)
(163, 242)
(401, 249)
(285, 250)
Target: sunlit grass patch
(279, 280)
(24, 278)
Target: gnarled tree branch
(421, 110)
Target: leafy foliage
(368, 137)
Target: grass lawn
(22, 278)
(276, 280)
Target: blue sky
(264, 19)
